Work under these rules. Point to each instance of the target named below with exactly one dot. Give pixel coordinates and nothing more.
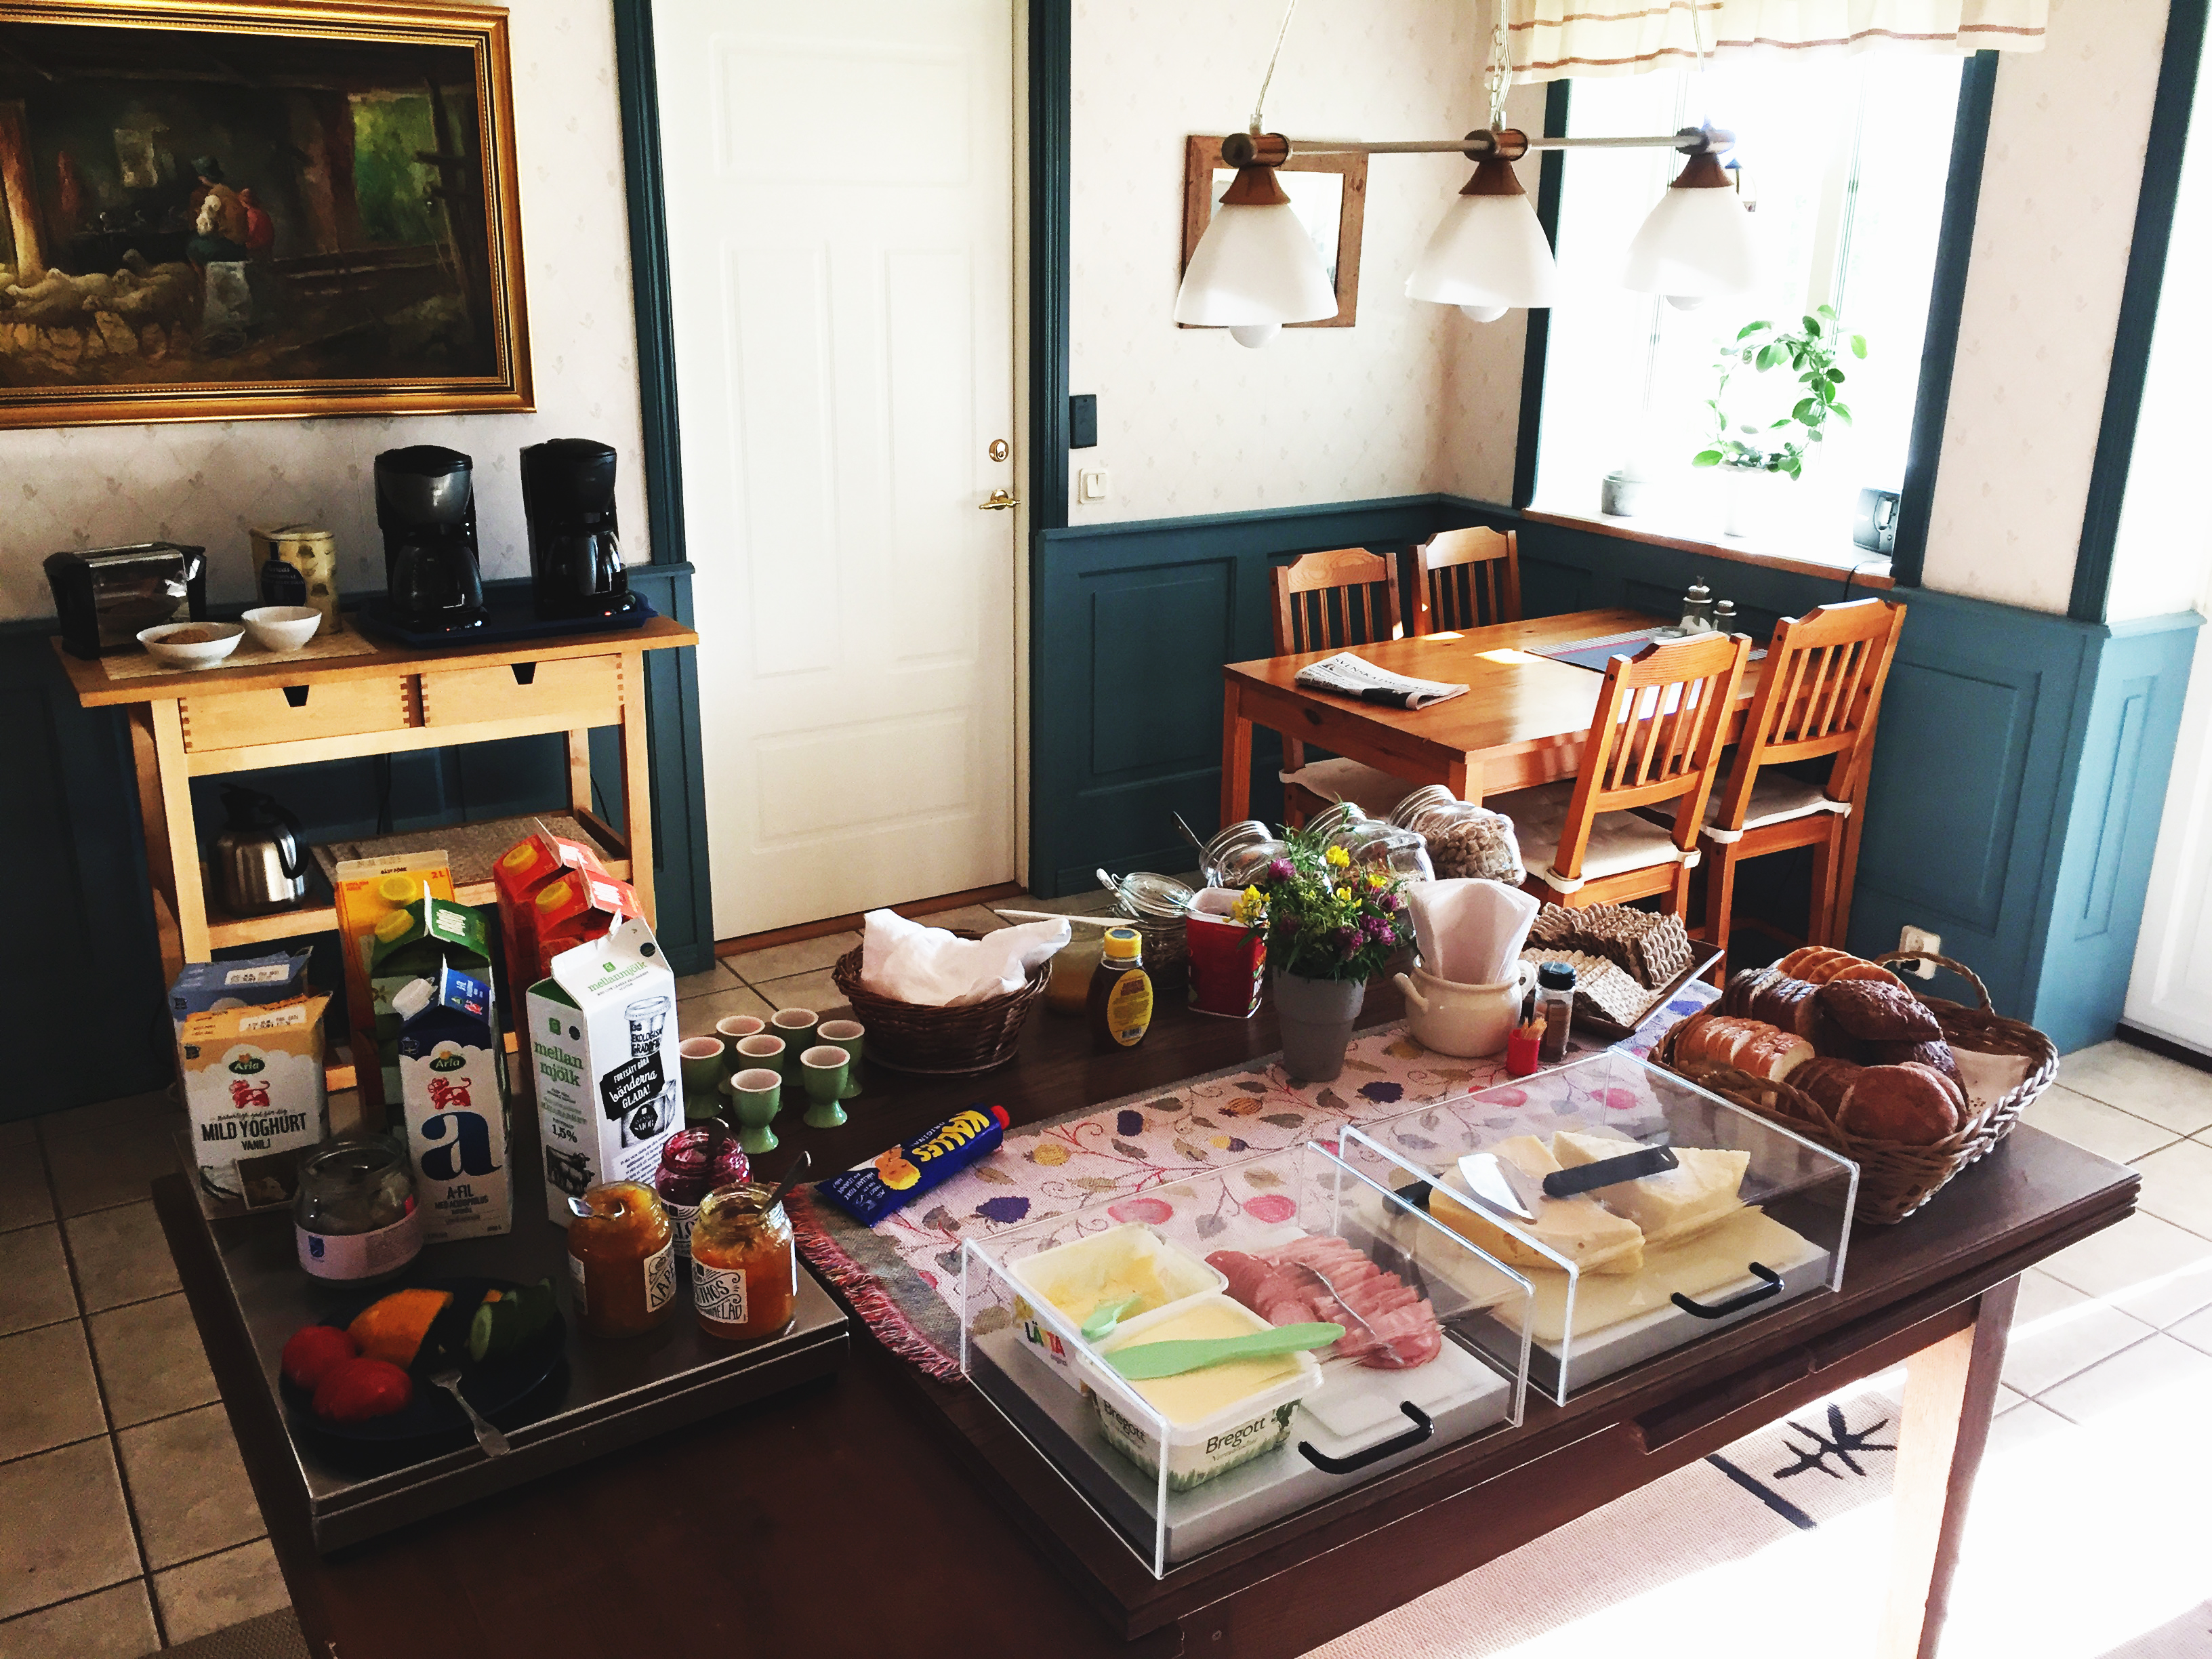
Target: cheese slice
(1586, 1233)
(1698, 1192)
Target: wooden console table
(209, 722)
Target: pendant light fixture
(1696, 244)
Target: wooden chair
(1661, 718)
(1819, 697)
(1468, 579)
(1328, 601)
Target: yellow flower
(1251, 904)
(1337, 857)
(1376, 882)
(1344, 892)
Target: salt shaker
(1724, 617)
(1697, 610)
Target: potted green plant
(1329, 929)
(1745, 451)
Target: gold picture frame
(1344, 176)
(254, 209)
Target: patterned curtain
(1553, 38)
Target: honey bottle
(1121, 1003)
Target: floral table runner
(902, 1275)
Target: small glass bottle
(693, 1163)
(622, 1260)
(744, 1274)
(1555, 1006)
(354, 1219)
(1697, 610)
(1120, 1000)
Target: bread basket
(939, 1041)
(1896, 1177)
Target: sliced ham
(1388, 1324)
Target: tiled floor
(131, 1526)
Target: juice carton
(253, 1083)
(367, 891)
(453, 1088)
(522, 871)
(414, 944)
(245, 982)
(575, 905)
(602, 1029)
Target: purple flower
(1380, 930)
(1281, 869)
(1392, 900)
(1348, 940)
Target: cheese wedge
(1585, 1233)
(1698, 1192)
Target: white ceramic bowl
(282, 627)
(213, 641)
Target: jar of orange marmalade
(744, 1275)
(622, 1260)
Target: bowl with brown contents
(191, 644)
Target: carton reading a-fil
(451, 1084)
(254, 1082)
(603, 1048)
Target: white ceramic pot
(1466, 1021)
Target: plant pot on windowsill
(1751, 497)
(1316, 1017)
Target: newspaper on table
(1350, 676)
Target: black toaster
(105, 595)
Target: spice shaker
(1555, 1006)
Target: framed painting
(254, 210)
(1327, 192)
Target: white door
(840, 182)
(2170, 992)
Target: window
(1845, 162)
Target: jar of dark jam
(693, 1163)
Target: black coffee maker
(576, 552)
(426, 508)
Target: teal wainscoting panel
(2137, 680)
(1130, 626)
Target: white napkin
(911, 963)
(1470, 931)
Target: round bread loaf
(1936, 1055)
(1827, 1081)
(1878, 1012)
(1911, 1103)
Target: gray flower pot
(1317, 1015)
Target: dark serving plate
(491, 1388)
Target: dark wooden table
(882, 1513)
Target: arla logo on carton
(602, 1028)
(254, 1082)
(453, 1090)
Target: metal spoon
(580, 1209)
(800, 1166)
(492, 1442)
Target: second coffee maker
(575, 551)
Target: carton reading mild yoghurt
(253, 1083)
(601, 1027)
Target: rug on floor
(272, 1636)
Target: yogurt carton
(601, 1032)
(452, 1090)
(242, 982)
(253, 1083)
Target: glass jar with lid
(1463, 840)
(622, 1260)
(744, 1281)
(693, 1163)
(1384, 849)
(354, 1219)
(1240, 855)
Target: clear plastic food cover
(1658, 1213)
(1179, 1464)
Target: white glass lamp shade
(1488, 251)
(1255, 266)
(1697, 242)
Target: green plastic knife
(1141, 1361)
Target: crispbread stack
(1652, 948)
(1600, 987)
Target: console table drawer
(567, 692)
(319, 709)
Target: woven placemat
(140, 664)
(902, 1275)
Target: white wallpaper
(1414, 398)
(206, 482)
(2067, 137)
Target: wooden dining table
(1521, 722)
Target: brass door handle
(997, 501)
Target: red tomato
(314, 1351)
(363, 1389)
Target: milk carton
(253, 1083)
(453, 1089)
(245, 982)
(602, 1029)
(415, 942)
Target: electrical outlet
(1919, 938)
(1090, 485)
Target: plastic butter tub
(1129, 1260)
(1217, 1418)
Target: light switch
(1090, 485)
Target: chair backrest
(1819, 696)
(1661, 718)
(1469, 579)
(1326, 601)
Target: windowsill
(1800, 555)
